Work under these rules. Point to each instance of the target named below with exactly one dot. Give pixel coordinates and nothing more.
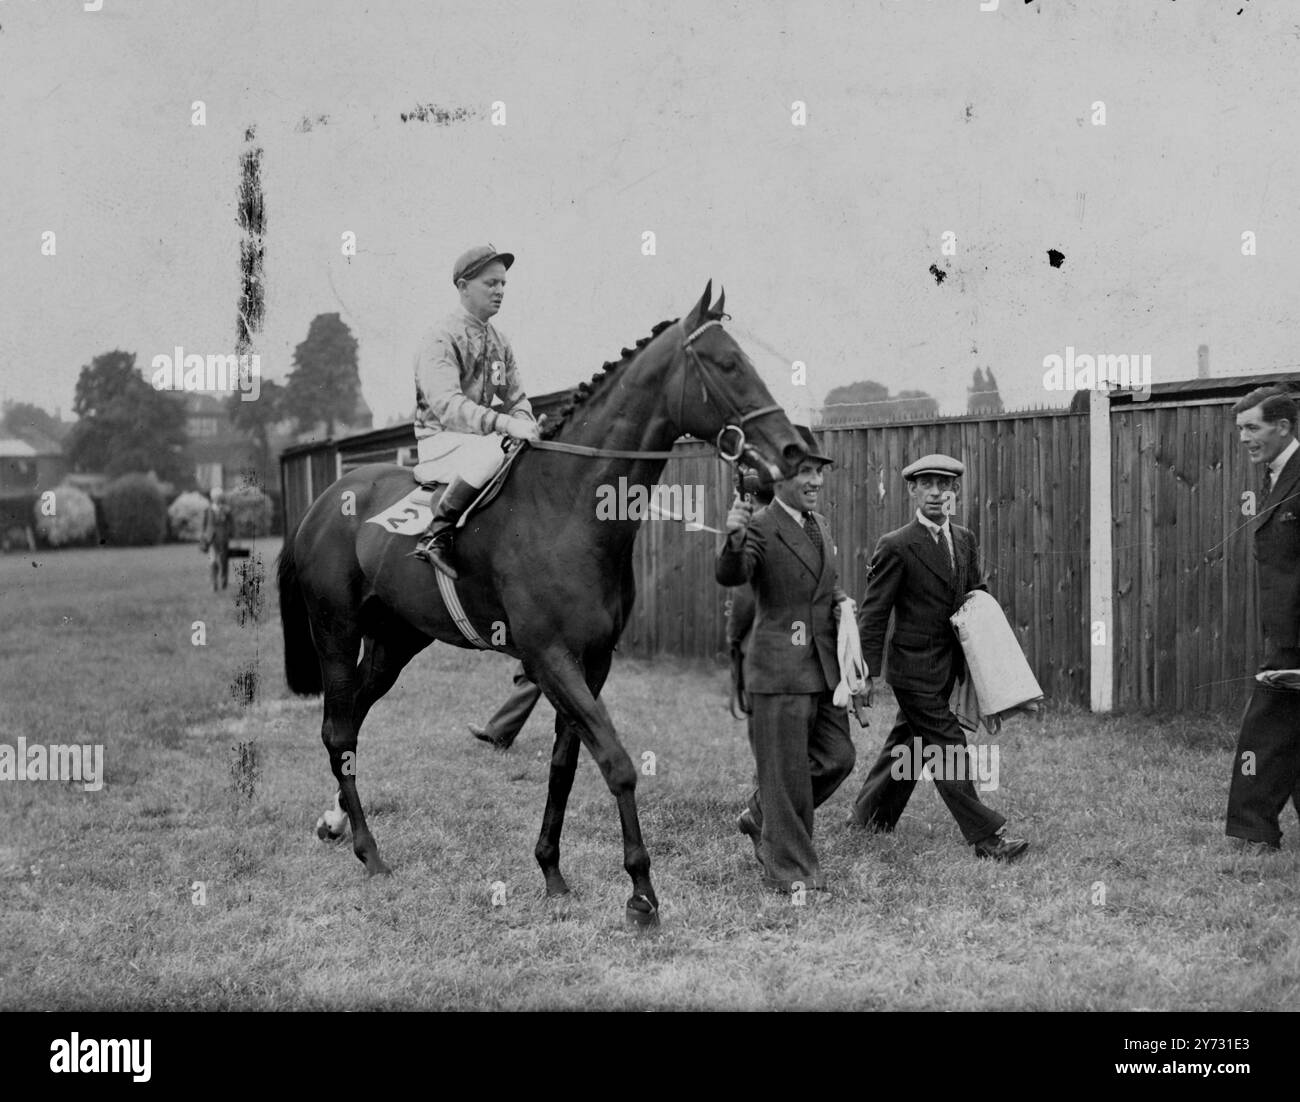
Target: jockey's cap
(470, 263)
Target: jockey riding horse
(468, 396)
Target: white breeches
(444, 455)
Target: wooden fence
(1024, 495)
(1185, 630)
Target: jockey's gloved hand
(521, 428)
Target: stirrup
(424, 548)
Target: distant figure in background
(1266, 768)
(215, 540)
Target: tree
(324, 384)
(258, 420)
(982, 395)
(124, 423)
(868, 402)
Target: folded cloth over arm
(853, 669)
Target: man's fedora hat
(470, 263)
(810, 443)
(938, 464)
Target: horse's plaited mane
(583, 391)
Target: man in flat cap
(921, 573)
(800, 740)
(468, 395)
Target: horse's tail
(301, 665)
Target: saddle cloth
(410, 515)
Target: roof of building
(13, 448)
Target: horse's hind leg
(383, 658)
(339, 733)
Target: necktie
(1268, 480)
(814, 531)
(938, 539)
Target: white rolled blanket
(998, 670)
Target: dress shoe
(1001, 848)
(481, 734)
(746, 825)
(1252, 846)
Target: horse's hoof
(642, 912)
(378, 868)
(557, 888)
(324, 833)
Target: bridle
(735, 419)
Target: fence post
(1100, 529)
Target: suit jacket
(790, 588)
(1277, 555)
(910, 577)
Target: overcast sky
(923, 116)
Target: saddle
(432, 490)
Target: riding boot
(215, 569)
(435, 545)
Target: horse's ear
(700, 310)
(719, 307)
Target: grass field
(97, 889)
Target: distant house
(28, 453)
(21, 466)
(218, 450)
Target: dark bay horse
(542, 578)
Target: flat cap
(473, 261)
(935, 464)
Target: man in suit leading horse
(468, 396)
(921, 573)
(1266, 769)
(800, 740)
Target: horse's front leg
(564, 764)
(562, 678)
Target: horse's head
(715, 394)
